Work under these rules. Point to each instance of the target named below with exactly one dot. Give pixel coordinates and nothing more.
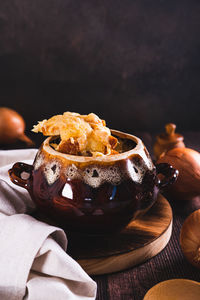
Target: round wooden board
(139, 241)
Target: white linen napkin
(34, 264)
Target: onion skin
(190, 238)
(12, 127)
(187, 162)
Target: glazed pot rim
(138, 149)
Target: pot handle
(170, 174)
(17, 176)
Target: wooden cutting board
(139, 241)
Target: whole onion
(12, 127)
(187, 162)
(190, 238)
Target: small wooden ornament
(168, 140)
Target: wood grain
(175, 289)
(139, 241)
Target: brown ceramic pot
(93, 194)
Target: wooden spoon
(174, 289)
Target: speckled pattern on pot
(93, 194)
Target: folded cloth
(34, 264)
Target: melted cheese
(79, 134)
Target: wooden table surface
(133, 283)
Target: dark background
(134, 63)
